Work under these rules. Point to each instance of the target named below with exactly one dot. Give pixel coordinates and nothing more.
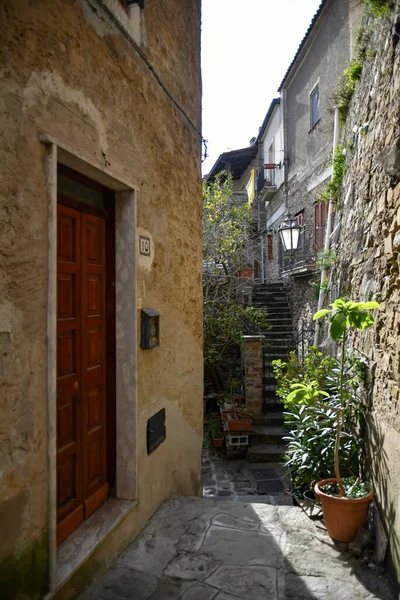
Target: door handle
(76, 385)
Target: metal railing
(266, 178)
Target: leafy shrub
(309, 392)
(377, 8)
(346, 87)
(333, 187)
(316, 367)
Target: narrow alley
(218, 549)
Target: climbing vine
(333, 187)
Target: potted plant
(215, 428)
(311, 428)
(344, 500)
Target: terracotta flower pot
(217, 442)
(343, 516)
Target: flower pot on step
(238, 422)
(217, 442)
(343, 516)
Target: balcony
(302, 262)
(266, 186)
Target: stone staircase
(266, 442)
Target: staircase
(266, 442)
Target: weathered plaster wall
(368, 247)
(274, 134)
(322, 64)
(68, 72)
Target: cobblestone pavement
(240, 480)
(208, 549)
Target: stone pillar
(253, 373)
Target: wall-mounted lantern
(289, 232)
(150, 337)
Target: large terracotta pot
(343, 516)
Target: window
(320, 218)
(314, 106)
(270, 247)
(300, 218)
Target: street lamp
(289, 231)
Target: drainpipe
(262, 257)
(329, 226)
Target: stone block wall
(367, 242)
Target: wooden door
(93, 316)
(81, 368)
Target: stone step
(269, 379)
(273, 309)
(280, 327)
(277, 352)
(272, 302)
(273, 417)
(267, 434)
(270, 387)
(280, 318)
(268, 359)
(272, 403)
(265, 453)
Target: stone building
(100, 271)
(306, 95)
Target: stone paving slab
(236, 479)
(202, 549)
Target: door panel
(69, 471)
(93, 317)
(81, 368)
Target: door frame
(125, 193)
(108, 214)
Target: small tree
(229, 246)
(344, 317)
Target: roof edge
(275, 102)
(303, 42)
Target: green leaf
(360, 319)
(338, 326)
(321, 313)
(369, 305)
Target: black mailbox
(150, 329)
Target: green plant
(332, 188)
(318, 287)
(316, 367)
(310, 442)
(353, 489)
(346, 87)
(326, 259)
(229, 245)
(215, 428)
(344, 316)
(311, 416)
(377, 8)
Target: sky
(247, 47)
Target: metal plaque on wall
(155, 431)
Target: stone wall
(367, 242)
(70, 73)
